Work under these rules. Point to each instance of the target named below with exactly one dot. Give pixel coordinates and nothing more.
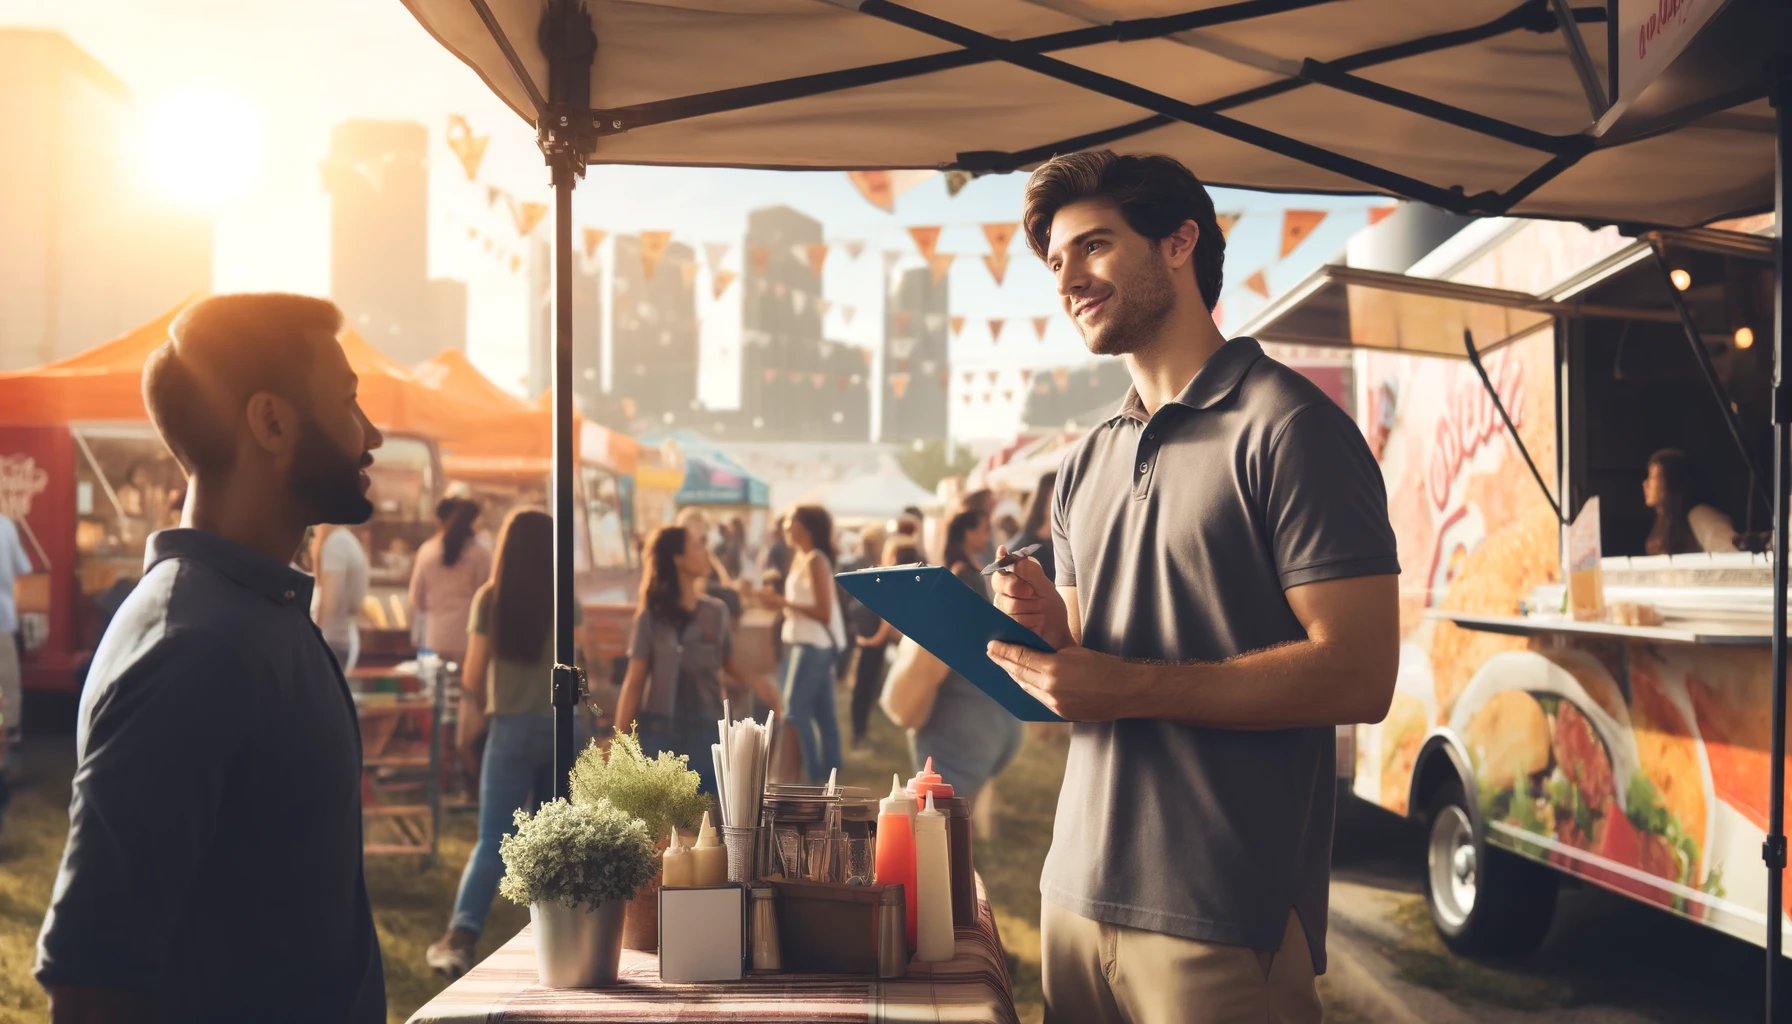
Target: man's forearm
(1301, 684)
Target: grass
(412, 903)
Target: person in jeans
(213, 867)
(510, 659)
(1225, 597)
(813, 637)
(450, 568)
(681, 646)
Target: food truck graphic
(1623, 744)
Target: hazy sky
(305, 67)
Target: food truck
(87, 480)
(1567, 703)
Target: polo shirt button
(290, 594)
(1144, 467)
(1150, 437)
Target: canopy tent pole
(1773, 851)
(569, 43)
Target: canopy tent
(1601, 111)
(711, 478)
(512, 439)
(454, 375)
(105, 384)
(879, 494)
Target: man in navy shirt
(213, 868)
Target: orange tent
(104, 384)
(515, 436)
(459, 381)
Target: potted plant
(661, 791)
(576, 866)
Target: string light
(1744, 337)
(1682, 280)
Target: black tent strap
(1583, 61)
(516, 64)
(1499, 406)
(1343, 81)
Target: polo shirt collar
(1211, 384)
(251, 570)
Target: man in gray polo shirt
(1225, 596)
(213, 867)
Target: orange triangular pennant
(1227, 220)
(722, 279)
(472, 233)
(899, 384)
(653, 247)
(957, 326)
(997, 262)
(1380, 213)
(941, 264)
(716, 252)
(516, 263)
(877, 188)
(594, 237)
(1061, 377)
(927, 239)
(1040, 323)
(492, 192)
(761, 256)
(468, 147)
(687, 272)
(994, 376)
(1000, 237)
(868, 356)
(818, 257)
(1296, 226)
(995, 330)
(1259, 283)
(903, 319)
(854, 247)
(526, 215)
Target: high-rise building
(794, 384)
(587, 329)
(917, 358)
(88, 252)
(653, 334)
(377, 174)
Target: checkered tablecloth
(971, 988)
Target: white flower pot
(578, 946)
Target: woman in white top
(813, 637)
(1683, 525)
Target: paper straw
(715, 758)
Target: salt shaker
(892, 934)
(762, 932)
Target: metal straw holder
(742, 844)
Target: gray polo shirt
(1180, 532)
(214, 849)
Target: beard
(326, 481)
(1138, 305)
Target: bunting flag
(761, 255)
(819, 380)
(796, 376)
(468, 147)
(956, 181)
(716, 252)
(844, 381)
(653, 247)
(771, 376)
(492, 192)
(1227, 220)
(890, 258)
(1026, 376)
(902, 365)
(818, 257)
(945, 378)
(903, 319)
(927, 240)
(941, 264)
(899, 384)
(780, 289)
(995, 330)
(516, 263)
(594, 237)
(1007, 394)
(472, 233)
(1000, 236)
(997, 262)
(970, 377)
(855, 247)
(825, 305)
(1380, 213)
(687, 272)
(526, 216)
(1259, 283)
(957, 326)
(721, 280)
(1061, 377)
(877, 187)
(846, 313)
(628, 408)
(869, 356)
(988, 397)
(994, 376)
(1296, 226)
(968, 399)
(488, 244)
(1040, 323)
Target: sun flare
(202, 147)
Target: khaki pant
(1096, 973)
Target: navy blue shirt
(214, 848)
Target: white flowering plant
(576, 853)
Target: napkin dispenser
(703, 933)
(826, 928)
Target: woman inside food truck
(1684, 522)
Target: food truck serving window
(606, 521)
(1637, 388)
(404, 498)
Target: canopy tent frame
(570, 128)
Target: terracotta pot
(641, 922)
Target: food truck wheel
(1483, 900)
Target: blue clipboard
(930, 606)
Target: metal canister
(892, 934)
(762, 932)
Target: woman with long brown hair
(510, 658)
(1684, 524)
(681, 647)
(814, 636)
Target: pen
(1001, 564)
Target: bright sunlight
(202, 147)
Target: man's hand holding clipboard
(1075, 683)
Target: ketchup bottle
(896, 850)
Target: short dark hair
(219, 352)
(1154, 193)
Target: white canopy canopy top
(1479, 106)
